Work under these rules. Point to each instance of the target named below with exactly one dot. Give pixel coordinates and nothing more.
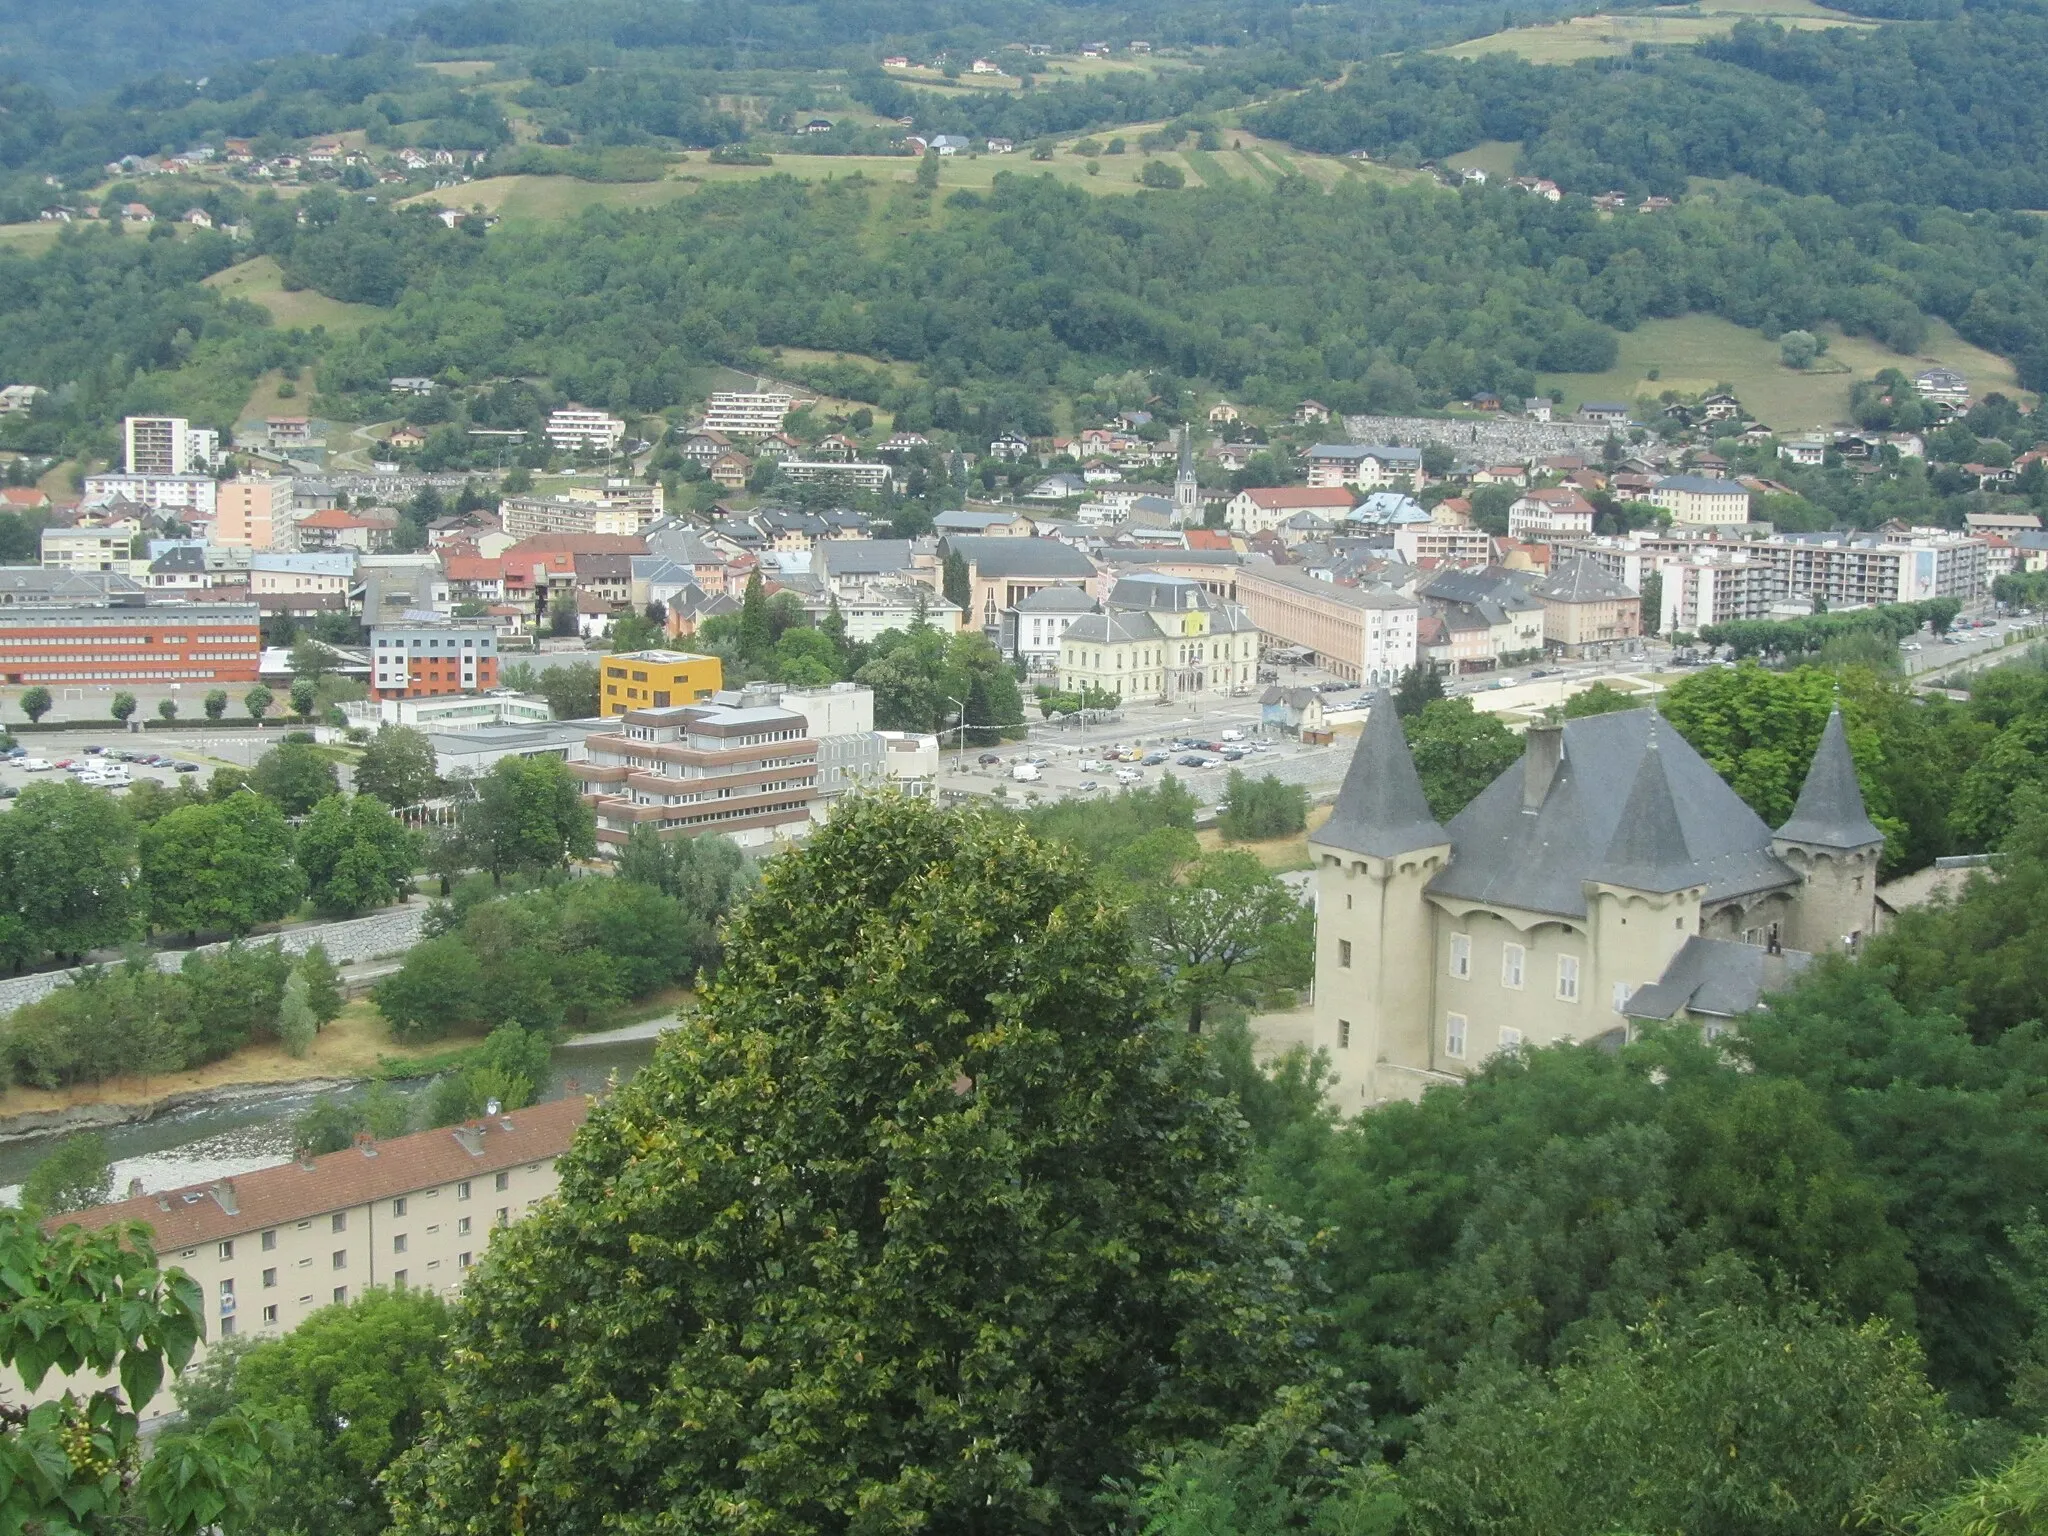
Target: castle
(1609, 876)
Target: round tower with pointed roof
(1833, 846)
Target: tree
(1420, 687)
(398, 767)
(1798, 349)
(296, 775)
(928, 1062)
(1458, 752)
(1157, 173)
(122, 707)
(633, 632)
(296, 1026)
(1225, 931)
(167, 710)
(1652, 594)
(216, 703)
(68, 1464)
(323, 984)
(957, 588)
(757, 635)
(257, 700)
(75, 1173)
(510, 1069)
(704, 875)
(977, 717)
(225, 865)
(311, 660)
(351, 1386)
(1255, 810)
(528, 814)
(1759, 729)
(571, 691)
(437, 991)
(356, 855)
(67, 873)
(305, 695)
(806, 658)
(36, 703)
(332, 1122)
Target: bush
(1157, 173)
(1254, 810)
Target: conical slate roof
(1381, 809)
(1648, 851)
(1830, 811)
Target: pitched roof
(1830, 811)
(1701, 485)
(270, 1197)
(1648, 851)
(1581, 581)
(1060, 599)
(1113, 628)
(1274, 497)
(1381, 809)
(998, 557)
(861, 557)
(1718, 977)
(1539, 862)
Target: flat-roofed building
(131, 642)
(423, 658)
(251, 512)
(696, 768)
(1363, 634)
(576, 428)
(658, 679)
(745, 414)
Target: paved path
(651, 1029)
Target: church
(1607, 878)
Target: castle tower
(1375, 934)
(1643, 896)
(1832, 845)
(1187, 494)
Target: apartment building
(194, 494)
(1557, 513)
(130, 642)
(1261, 509)
(658, 679)
(696, 768)
(1366, 466)
(251, 513)
(270, 1248)
(1851, 570)
(574, 428)
(115, 546)
(1363, 634)
(620, 508)
(747, 415)
(1701, 501)
(1442, 543)
(167, 445)
(327, 573)
(869, 477)
(1718, 587)
(423, 659)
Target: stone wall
(389, 932)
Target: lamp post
(960, 738)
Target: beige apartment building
(1360, 633)
(250, 513)
(270, 1248)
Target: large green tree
(67, 873)
(1458, 752)
(297, 775)
(920, 1222)
(528, 814)
(223, 865)
(398, 767)
(1225, 930)
(356, 855)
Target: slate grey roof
(1112, 628)
(1718, 977)
(1581, 581)
(861, 557)
(1057, 600)
(1540, 861)
(1381, 809)
(997, 557)
(1830, 811)
(1492, 585)
(972, 522)
(1701, 485)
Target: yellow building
(658, 679)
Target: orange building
(131, 643)
(424, 660)
(246, 511)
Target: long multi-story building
(623, 507)
(1363, 634)
(270, 1248)
(1845, 570)
(421, 659)
(576, 428)
(747, 415)
(869, 477)
(111, 546)
(197, 494)
(131, 642)
(696, 768)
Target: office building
(1362, 634)
(130, 642)
(413, 659)
(689, 769)
(658, 679)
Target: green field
(1609, 35)
(1496, 157)
(260, 282)
(1695, 353)
(29, 237)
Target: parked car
(94, 751)
(1233, 755)
(186, 767)
(1024, 773)
(1233, 734)
(1192, 760)
(34, 765)
(1089, 786)
(1092, 765)
(987, 758)
(1128, 776)
(1154, 759)
(9, 791)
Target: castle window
(1461, 956)
(1343, 1034)
(1622, 992)
(1568, 978)
(1454, 1036)
(1512, 957)
(1344, 953)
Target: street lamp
(960, 739)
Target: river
(219, 1140)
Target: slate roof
(1718, 977)
(1608, 815)
(1830, 811)
(1381, 809)
(861, 557)
(1057, 600)
(999, 557)
(1700, 485)
(1581, 581)
(1112, 628)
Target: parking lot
(205, 752)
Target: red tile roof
(270, 1197)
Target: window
(504, 1181)
(227, 1326)
(462, 1227)
(1344, 953)
(227, 1249)
(504, 1217)
(1511, 958)
(341, 1258)
(398, 1279)
(462, 1190)
(339, 1221)
(462, 1261)
(269, 1315)
(341, 1293)
(1343, 1034)
(398, 1206)
(1568, 978)
(227, 1287)
(270, 1279)
(1622, 992)
(1454, 1036)
(1461, 956)
(398, 1243)
(1510, 1039)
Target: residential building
(1811, 452)
(167, 445)
(546, 563)
(1490, 616)
(1697, 500)
(250, 513)
(415, 1212)
(657, 680)
(1609, 875)
(288, 431)
(841, 564)
(868, 477)
(366, 532)
(1586, 612)
(1003, 572)
(20, 399)
(747, 415)
(1718, 587)
(1604, 413)
(301, 575)
(96, 546)
(196, 494)
(624, 510)
(1261, 509)
(1160, 637)
(1442, 544)
(1034, 627)
(36, 586)
(1367, 466)
(1944, 386)
(871, 606)
(998, 525)
(1558, 513)
(1362, 634)
(128, 641)
(1850, 570)
(420, 658)
(747, 774)
(574, 429)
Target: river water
(212, 1141)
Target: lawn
(1280, 853)
(260, 282)
(29, 238)
(1606, 35)
(265, 400)
(1496, 157)
(1695, 353)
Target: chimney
(135, 1189)
(1542, 755)
(366, 1144)
(224, 1196)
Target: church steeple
(1381, 809)
(1830, 811)
(1187, 494)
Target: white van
(1024, 773)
